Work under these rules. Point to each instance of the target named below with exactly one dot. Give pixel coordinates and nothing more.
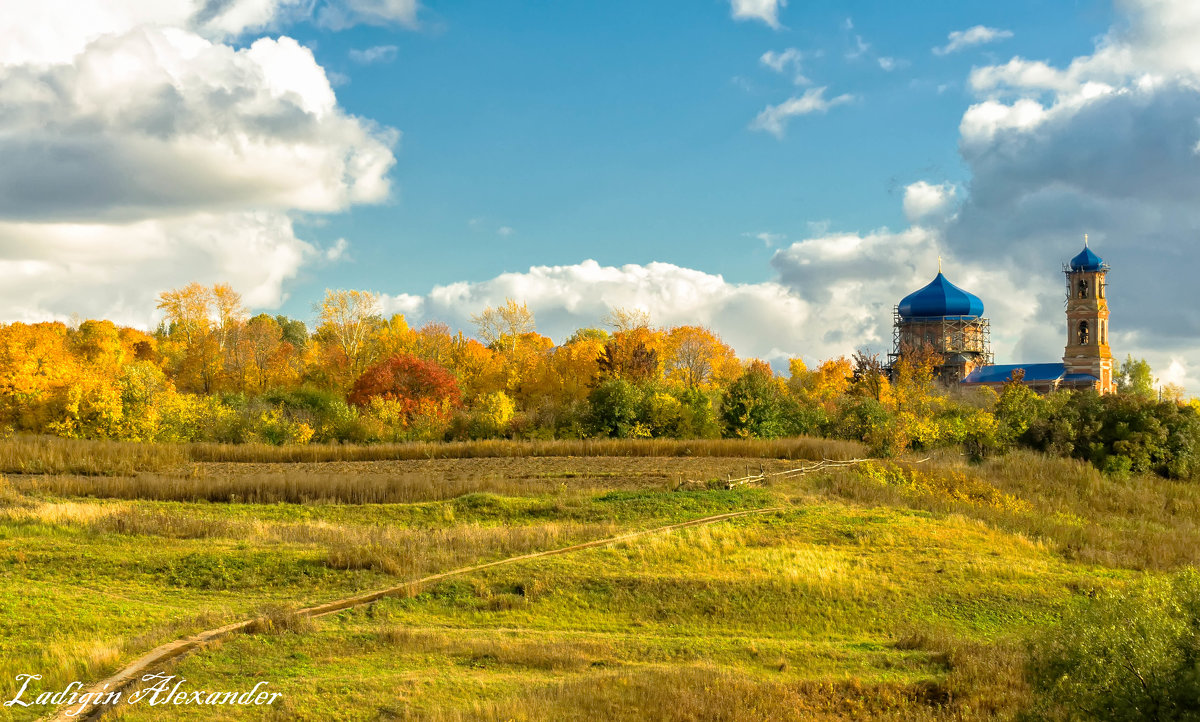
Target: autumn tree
(575, 364)
(394, 336)
(870, 376)
(34, 366)
(1134, 377)
(347, 321)
(201, 323)
(434, 342)
(624, 319)
(406, 389)
(696, 358)
(187, 312)
(822, 386)
(915, 376)
(98, 344)
(632, 355)
(502, 326)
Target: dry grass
(981, 682)
(398, 551)
(52, 455)
(67, 659)
(380, 482)
(511, 651)
(1138, 523)
(278, 619)
(285, 486)
(709, 692)
(806, 448)
(416, 552)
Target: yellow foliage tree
(696, 358)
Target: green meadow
(902, 589)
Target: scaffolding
(964, 343)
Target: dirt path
(171, 650)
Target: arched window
(1082, 288)
(1100, 288)
(1083, 333)
(1103, 332)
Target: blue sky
(619, 131)
(782, 172)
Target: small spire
(939, 264)
(1085, 245)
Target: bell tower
(1087, 352)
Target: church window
(1083, 288)
(1083, 333)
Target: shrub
(753, 405)
(614, 408)
(1120, 433)
(1130, 655)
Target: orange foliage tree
(413, 385)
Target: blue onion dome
(1087, 261)
(941, 299)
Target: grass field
(896, 590)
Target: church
(949, 321)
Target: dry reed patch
(808, 448)
(289, 487)
(395, 481)
(709, 550)
(68, 513)
(52, 455)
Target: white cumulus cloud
(763, 320)
(143, 150)
(1104, 145)
(924, 201)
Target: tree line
(213, 372)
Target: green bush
(1120, 433)
(1129, 655)
(753, 406)
(615, 404)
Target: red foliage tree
(413, 382)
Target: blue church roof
(1086, 260)
(1000, 373)
(941, 299)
